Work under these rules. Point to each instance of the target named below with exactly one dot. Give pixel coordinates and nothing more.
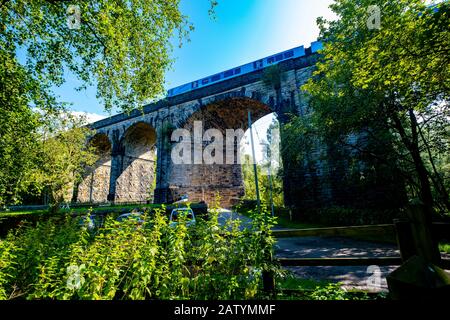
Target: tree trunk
(55, 203)
(412, 144)
(421, 215)
(425, 186)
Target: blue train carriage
(316, 46)
(246, 68)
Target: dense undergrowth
(59, 259)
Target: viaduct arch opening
(203, 181)
(137, 175)
(267, 144)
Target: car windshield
(86, 218)
(135, 216)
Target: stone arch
(202, 181)
(135, 182)
(94, 186)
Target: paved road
(353, 277)
(337, 247)
(321, 247)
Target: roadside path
(353, 277)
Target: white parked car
(88, 221)
(185, 214)
(137, 216)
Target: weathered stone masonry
(126, 172)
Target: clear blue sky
(243, 31)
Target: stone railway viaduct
(128, 168)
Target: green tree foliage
(19, 123)
(348, 171)
(299, 135)
(271, 164)
(392, 84)
(41, 153)
(122, 47)
(62, 157)
(271, 169)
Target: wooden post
(405, 239)
(426, 246)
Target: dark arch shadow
(135, 182)
(231, 113)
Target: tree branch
(437, 181)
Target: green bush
(59, 259)
(341, 216)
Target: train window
(205, 81)
(194, 84)
(316, 46)
(271, 60)
(215, 77)
(279, 57)
(258, 64)
(228, 73)
(289, 54)
(237, 70)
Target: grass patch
(102, 209)
(295, 283)
(444, 247)
(22, 213)
(294, 288)
(285, 222)
(283, 219)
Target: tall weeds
(59, 259)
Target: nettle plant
(59, 259)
